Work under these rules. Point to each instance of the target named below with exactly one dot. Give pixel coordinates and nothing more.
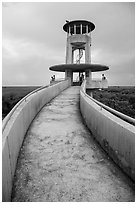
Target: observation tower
(79, 39)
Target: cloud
(33, 39)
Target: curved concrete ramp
(60, 160)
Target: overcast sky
(33, 39)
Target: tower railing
(79, 56)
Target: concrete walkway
(60, 160)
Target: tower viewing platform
(59, 144)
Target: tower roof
(91, 26)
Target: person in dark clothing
(103, 77)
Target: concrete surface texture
(78, 41)
(16, 126)
(60, 160)
(116, 136)
(92, 84)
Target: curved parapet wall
(116, 136)
(96, 84)
(15, 126)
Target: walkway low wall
(93, 84)
(15, 126)
(116, 136)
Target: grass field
(11, 95)
(117, 97)
(120, 98)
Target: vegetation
(119, 98)
(11, 95)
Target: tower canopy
(79, 67)
(87, 26)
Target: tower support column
(88, 75)
(88, 51)
(69, 75)
(69, 52)
(81, 29)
